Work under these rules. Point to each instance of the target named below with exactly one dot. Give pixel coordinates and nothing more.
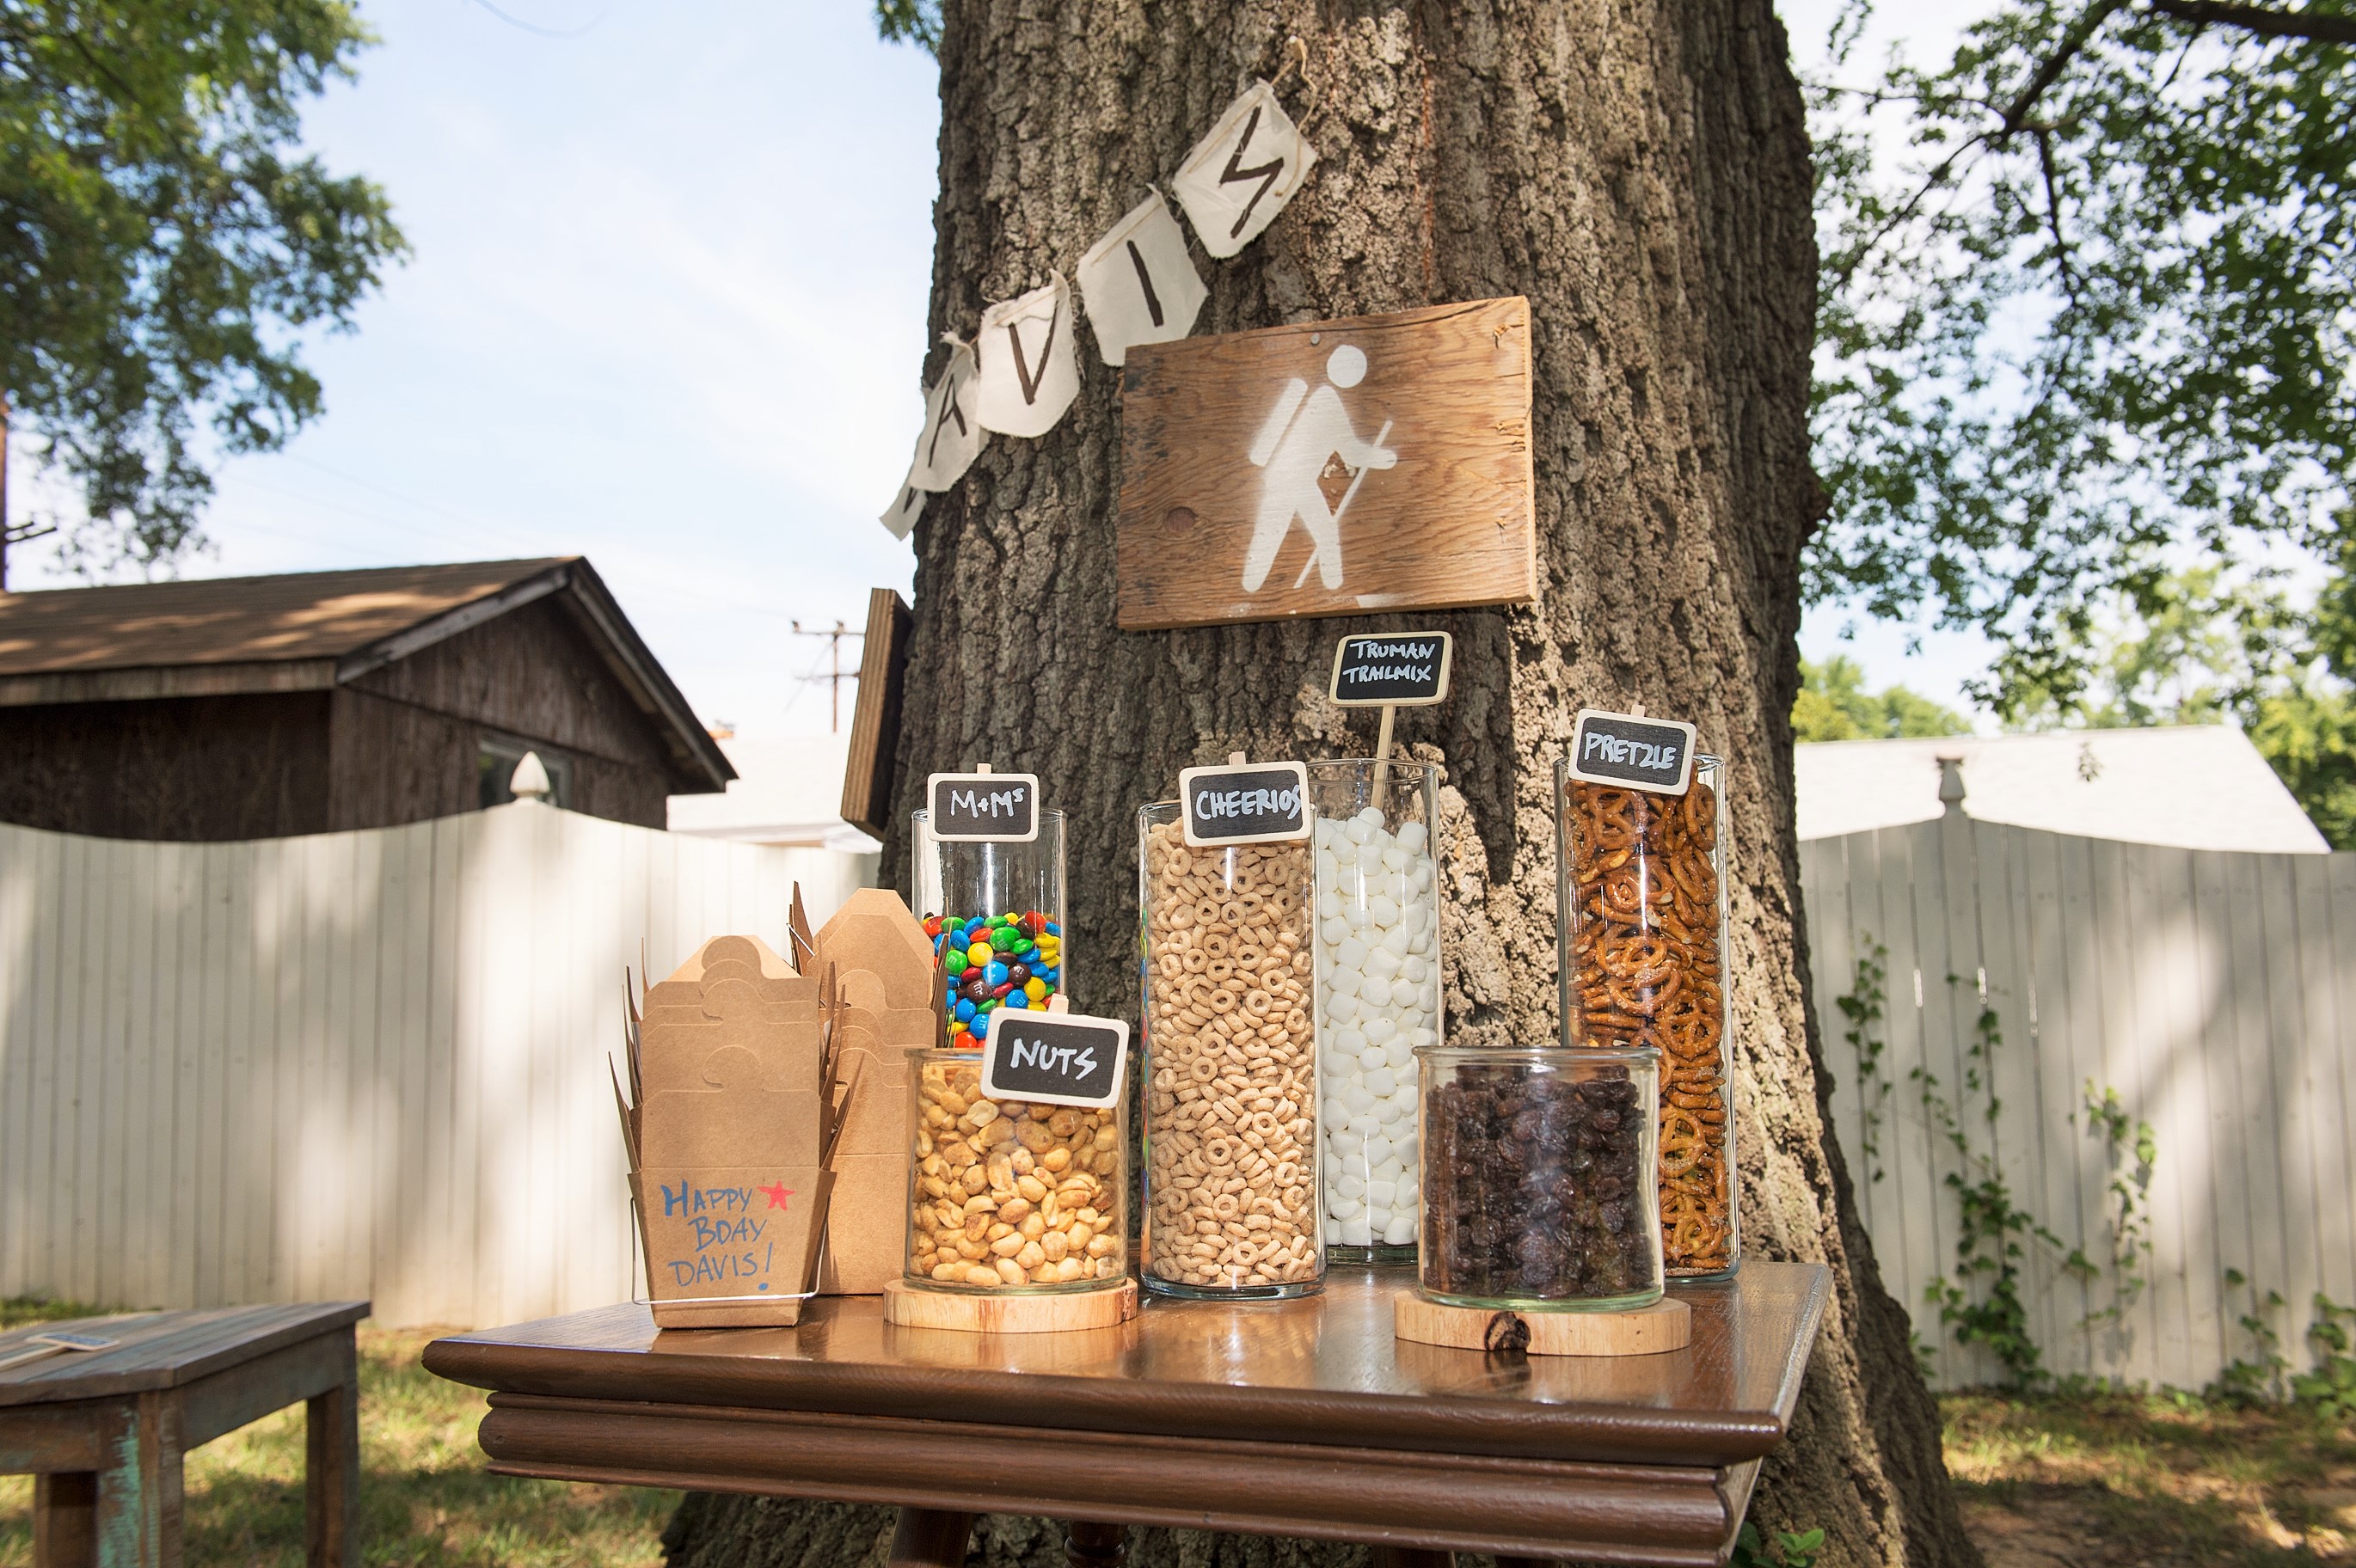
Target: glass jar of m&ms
(995, 913)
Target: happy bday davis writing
(730, 1242)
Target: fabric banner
(1028, 373)
(1239, 177)
(952, 437)
(901, 516)
(1139, 283)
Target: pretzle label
(1647, 970)
(1653, 754)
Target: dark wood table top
(1323, 1371)
(162, 1349)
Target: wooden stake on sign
(1666, 1325)
(1382, 755)
(990, 1312)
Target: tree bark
(1638, 169)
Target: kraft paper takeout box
(883, 962)
(736, 1113)
(733, 1199)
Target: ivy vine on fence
(1983, 1304)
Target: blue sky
(666, 311)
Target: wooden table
(103, 1432)
(1285, 1418)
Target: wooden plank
(441, 1249)
(50, 1159)
(2024, 1128)
(361, 1025)
(1833, 938)
(74, 1090)
(407, 1107)
(244, 1110)
(1394, 469)
(2228, 953)
(222, 1402)
(20, 897)
(100, 1265)
(2327, 916)
(280, 959)
(182, 1239)
(209, 1225)
(872, 760)
(2070, 1195)
(1920, 1254)
(2160, 909)
(2282, 1163)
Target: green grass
(426, 1500)
(2149, 1478)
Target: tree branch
(2053, 215)
(2306, 23)
(2072, 42)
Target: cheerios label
(1253, 802)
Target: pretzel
(1647, 970)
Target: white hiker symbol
(1303, 456)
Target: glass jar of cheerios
(1230, 1064)
(1010, 1197)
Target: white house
(2191, 786)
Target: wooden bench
(1288, 1418)
(105, 1432)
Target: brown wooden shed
(256, 706)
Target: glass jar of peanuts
(1379, 994)
(1230, 1066)
(1010, 1197)
(1643, 907)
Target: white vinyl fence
(2215, 992)
(356, 1064)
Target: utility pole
(10, 534)
(835, 675)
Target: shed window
(496, 759)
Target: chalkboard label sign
(1654, 754)
(973, 808)
(1245, 803)
(1054, 1058)
(1402, 670)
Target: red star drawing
(778, 1195)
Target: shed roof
(238, 620)
(2192, 786)
(313, 630)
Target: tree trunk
(1640, 171)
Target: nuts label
(1054, 1058)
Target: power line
(835, 676)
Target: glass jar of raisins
(1537, 1185)
(1642, 922)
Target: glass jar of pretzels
(1643, 932)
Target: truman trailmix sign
(1332, 468)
